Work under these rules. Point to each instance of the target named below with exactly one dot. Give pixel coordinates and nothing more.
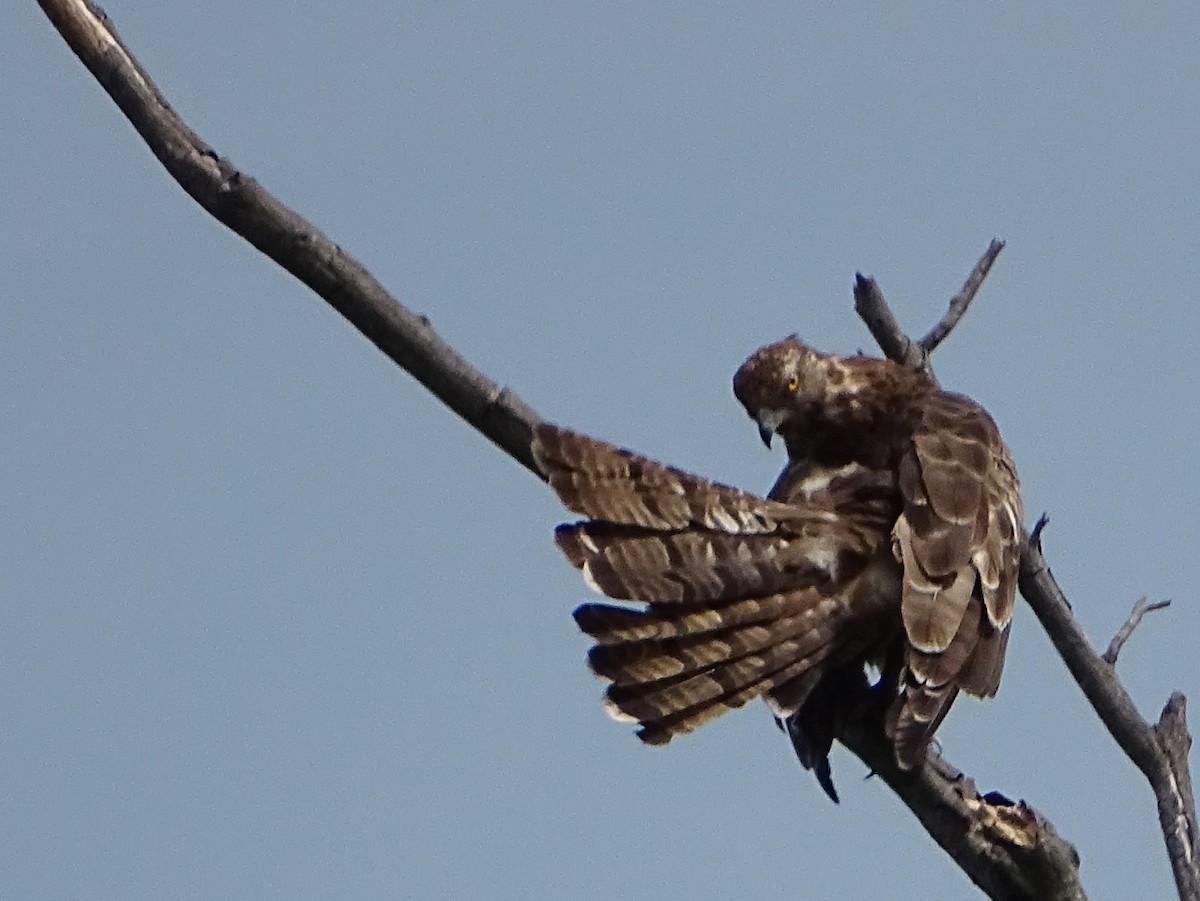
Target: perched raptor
(890, 539)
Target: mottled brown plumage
(890, 539)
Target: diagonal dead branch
(960, 301)
(871, 307)
(238, 201)
(1032, 862)
(1140, 609)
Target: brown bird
(890, 539)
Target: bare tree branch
(872, 309)
(1178, 815)
(1008, 850)
(238, 201)
(1160, 752)
(960, 301)
(1140, 609)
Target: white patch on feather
(848, 386)
(723, 519)
(586, 571)
(617, 713)
(778, 709)
(825, 557)
(1012, 518)
(819, 480)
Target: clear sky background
(274, 624)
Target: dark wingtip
(811, 756)
(825, 779)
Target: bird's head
(782, 384)
(827, 406)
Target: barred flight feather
(695, 567)
(609, 624)
(651, 659)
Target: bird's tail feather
(674, 669)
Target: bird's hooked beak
(769, 422)
(766, 435)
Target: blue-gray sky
(275, 624)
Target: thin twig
(1040, 526)
(1140, 609)
(960, 301)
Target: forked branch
(873, 309)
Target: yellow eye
(794, 384)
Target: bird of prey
(889, 540)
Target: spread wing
(957, 541)
(736, 591)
